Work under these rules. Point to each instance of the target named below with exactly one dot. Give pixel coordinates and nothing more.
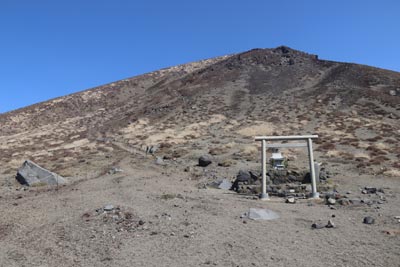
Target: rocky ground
(160, 216)
(122, 206)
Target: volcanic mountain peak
(279, 90)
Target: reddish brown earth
(214, 106)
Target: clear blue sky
(53, 48)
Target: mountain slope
(280, 91)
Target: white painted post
(264, 194)
(314, 193)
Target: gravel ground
(161, 218)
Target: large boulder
(32, 174)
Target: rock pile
(115, 218)
(282, 183)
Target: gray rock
(108, 207)
(291, 200)
(115, 170)
(330, 224)
(370, 190)
(331, 201)
(355, 201)
(225, 184)
(32, 174)
(220, 184)
(308, 188)
(367, 201)
(262, 214)
(151, 149)
(159, 161)
(344, 202)
(243, 176)
(393, 92)
(317, 226)
(369, 220)
(204, 161)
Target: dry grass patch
(392, 173)
(259, 128)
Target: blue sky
(53, 48)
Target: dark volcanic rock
(244, 178)
(369, 220)
(204, 161)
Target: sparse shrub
(378, 160)
(217, 151)
(374, 139)
(396, 165)
(326, 146)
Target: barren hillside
(264, 91)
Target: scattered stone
(291, 200)
(159, 161)
(344, 202)
(115, 170)
(330, 224)
(261, 214)
(369, 190)
(108, 207)
(32, 174)
(369, 220)
(151, 149)
(188, 169)
(317, 226)
(204, 161)
(367, 201)
(22, 188)
(320, 225)
(331, 201)
(355, 201)
(393, 92)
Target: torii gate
(308, 138)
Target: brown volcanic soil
(214, 106)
